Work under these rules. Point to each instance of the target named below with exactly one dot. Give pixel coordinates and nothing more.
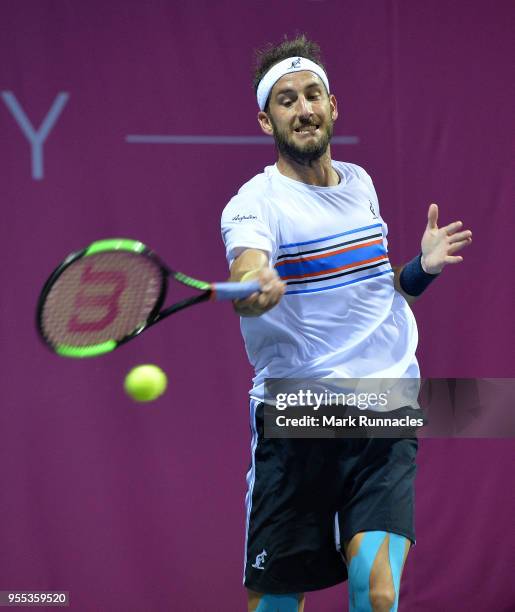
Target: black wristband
(413, 280)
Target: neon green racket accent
(115, 244)
(192, 282)
(86, 351)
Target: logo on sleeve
(243, 217)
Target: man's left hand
(439, 245)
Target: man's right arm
(251, 264)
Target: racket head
(100, 297)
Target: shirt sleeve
(245, 226)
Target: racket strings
(102, 297)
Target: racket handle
(234, 291)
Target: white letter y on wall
(37, 137)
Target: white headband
(292, 64)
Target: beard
(304, 153)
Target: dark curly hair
(272, 54)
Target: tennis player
(310, 229)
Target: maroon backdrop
(140, 507)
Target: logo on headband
(295, 64)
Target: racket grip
(234, 291)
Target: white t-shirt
(340, 316)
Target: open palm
(439, 245)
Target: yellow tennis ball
(145, 383)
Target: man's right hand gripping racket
(111, 291)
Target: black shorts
(307, 496)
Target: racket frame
(155, 315)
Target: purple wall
(140, 508)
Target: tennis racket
(111, 291)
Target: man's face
(301, 114)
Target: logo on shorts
(260, 560)
(374, 216)
(295, 64)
